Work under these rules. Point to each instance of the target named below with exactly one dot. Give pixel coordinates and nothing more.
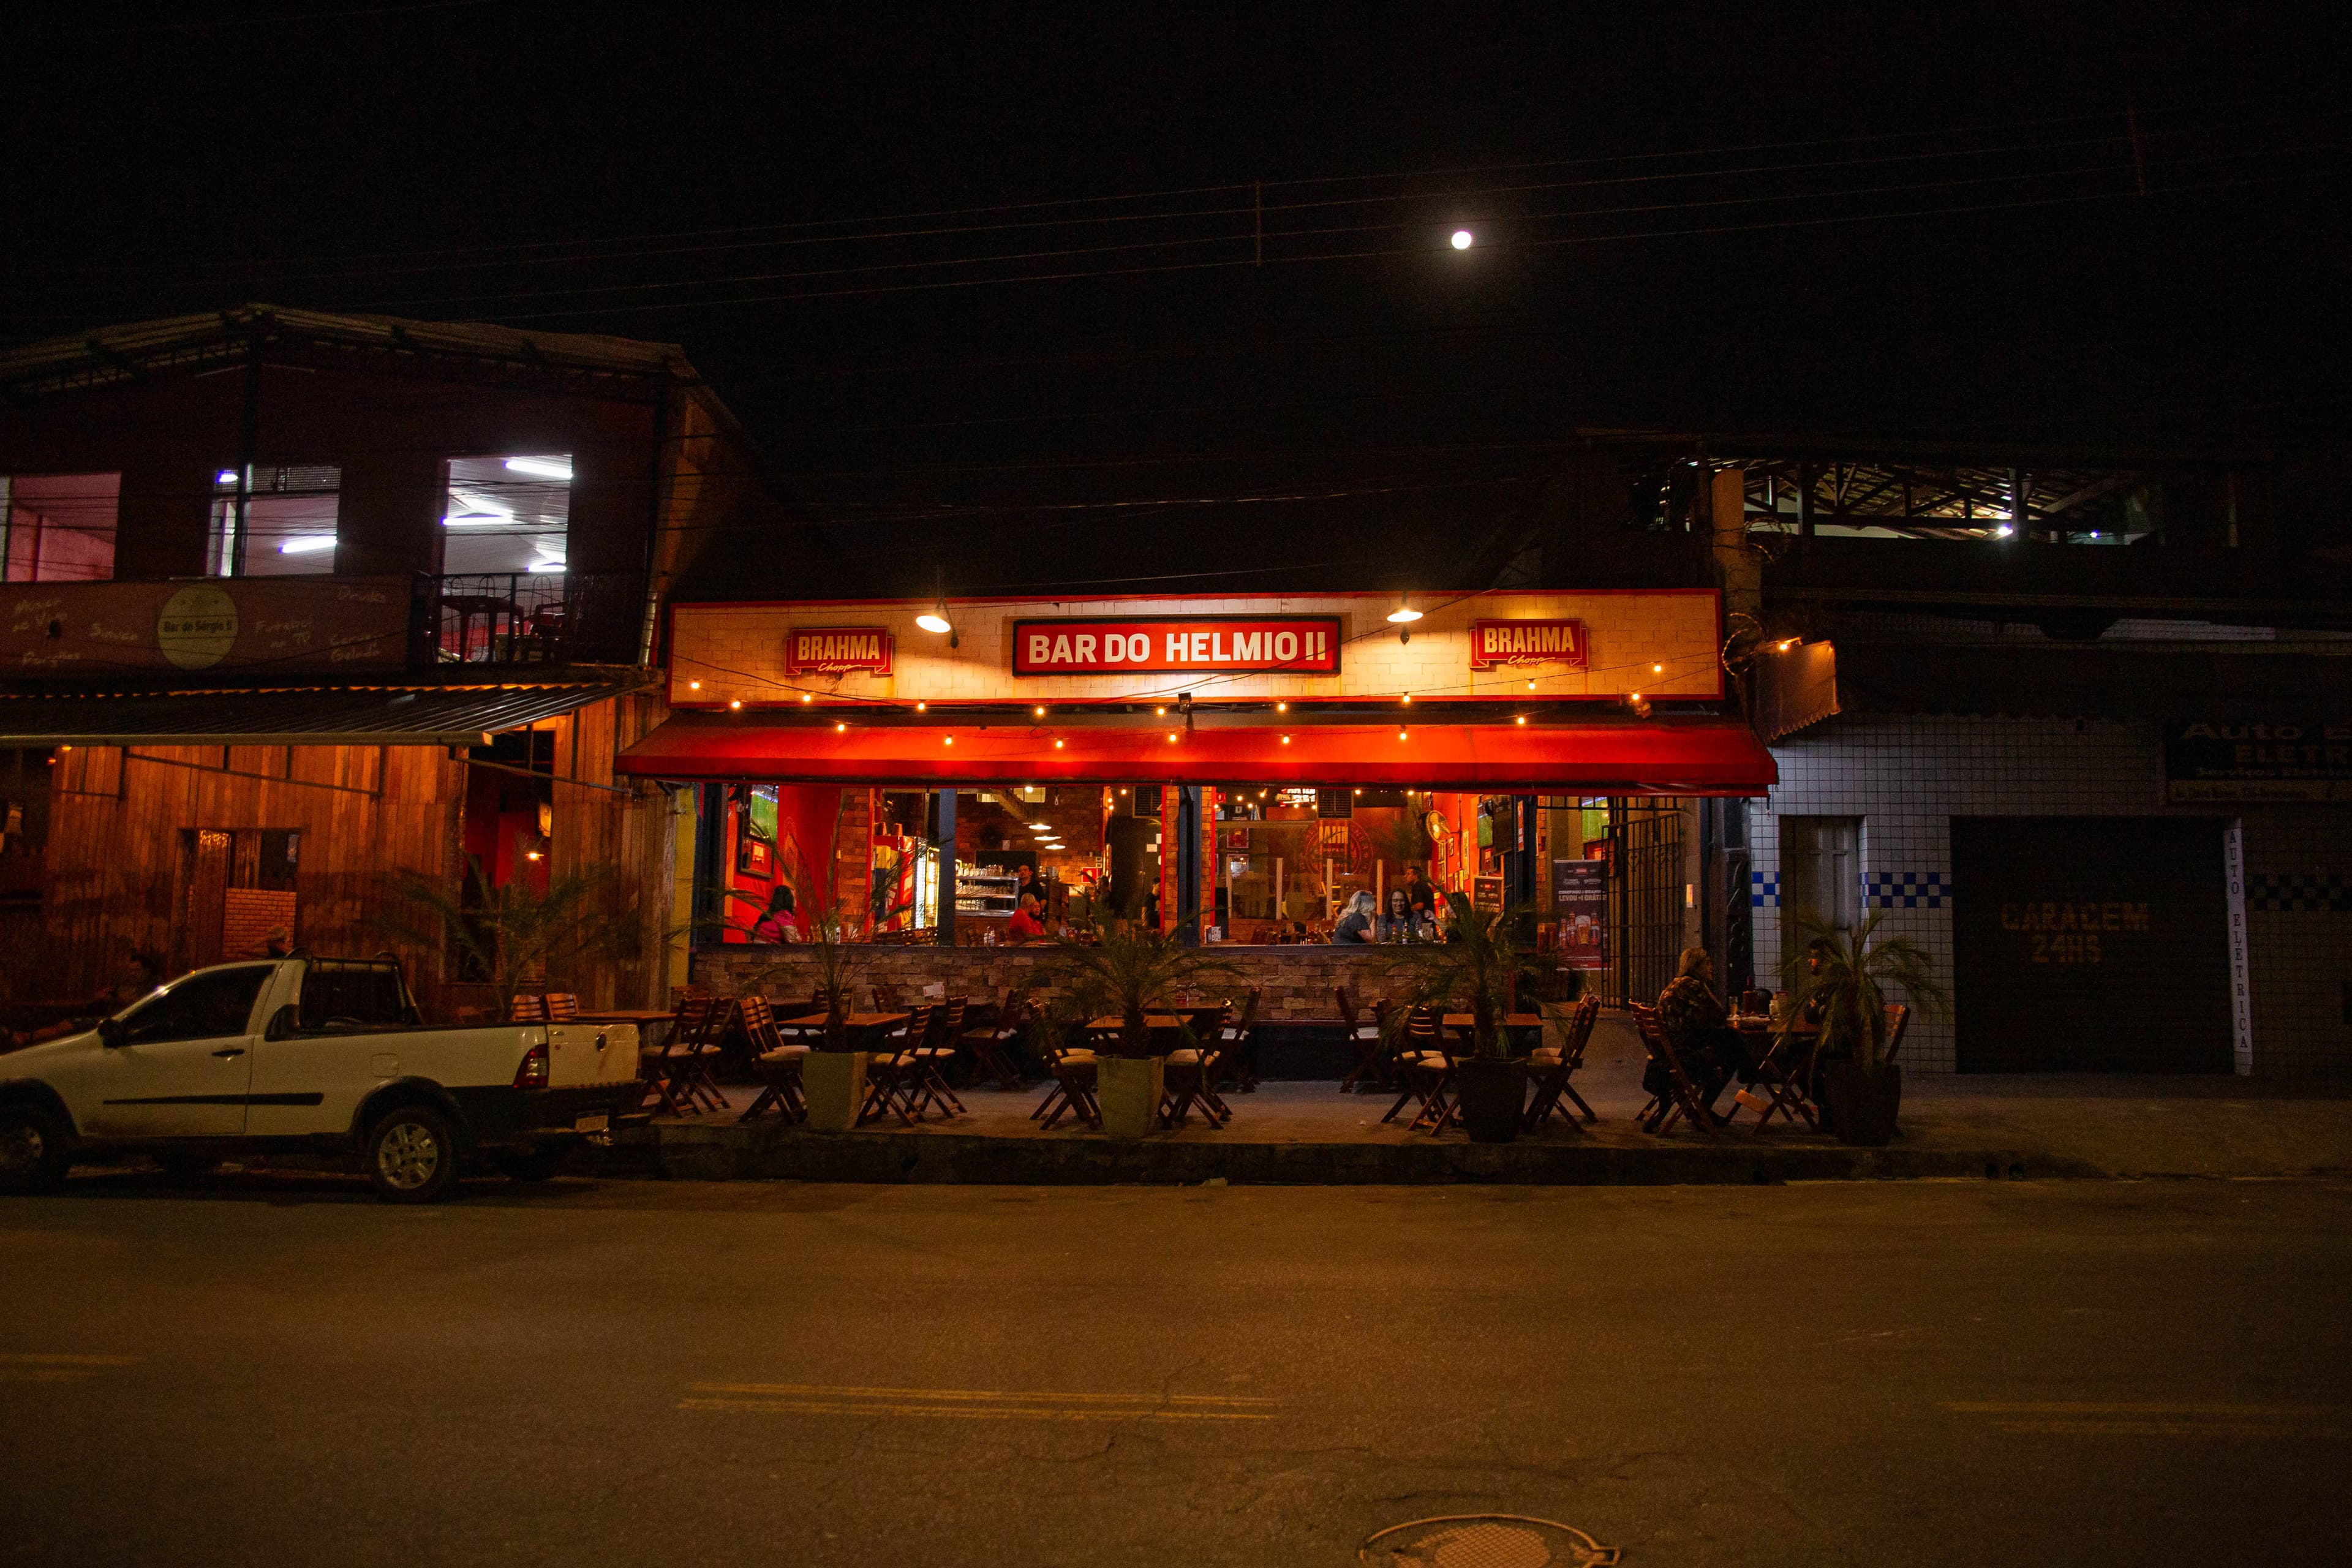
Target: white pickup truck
(312, 1056)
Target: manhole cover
(1484, 1541)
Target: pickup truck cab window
(201, 1007)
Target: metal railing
(530, 617)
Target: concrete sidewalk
(1295, 1132)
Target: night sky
(856, 225)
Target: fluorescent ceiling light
(228, 475)
(541, 468)
(1041, 827)
(307, 544)
(477, 519)
(544, 566)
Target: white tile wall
(1907, 778)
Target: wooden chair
(1898, 1018)
(932, 1053)
(1553, 1068)
(695, 1052)
(1192, 1070)
(886, 999)
(661, 1066)
(776, 1060)
(1681, 1100)
(893, 1075)
(1073, 1071)
(1422, 1067)
(563, 1007)
(1238, 1036)
(527, 1010)
(991, 1047)
(1372, 1053)
(1778, 1072)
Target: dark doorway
(2090, 944)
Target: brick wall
(248, 914)
(1296, 982)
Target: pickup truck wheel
(537, 1163)
(33, 1156)
(412, 1157)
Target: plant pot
(1860, 1107)
(834, 1083)
(1128, 1088)
(1494, 1099)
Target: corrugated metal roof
(124, 351)
(324, 716)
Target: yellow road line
(969, 1412)
(40, 1358)
(820, 1391)
(2201, 1428)
(2139, 1408)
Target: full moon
(1461, 240)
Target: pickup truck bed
(316, 1055)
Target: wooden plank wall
(114, 850)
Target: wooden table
(859, 1024)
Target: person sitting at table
(1698, 1026)
(1024, 926)
(1356, 925)
(141, 971)
(782, 923)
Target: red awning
(1693, 756)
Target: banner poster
(1580, 895)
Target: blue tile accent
(2299, 892)
(1764, 890)
(1904, 890)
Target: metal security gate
(1645, 895)
(2090, 944)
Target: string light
(1281, 707)
(737, 703)
(946, 740)
(694, 686)
(922, 706)
(1523, 718)
(838, 727)
(807, 697)
(1286, 740)
(1057, 745)
(1040, 712)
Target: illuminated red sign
(829, 650)
(1299, 644)
(1528, 642)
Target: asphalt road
(260, 1369)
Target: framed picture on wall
(755, 857)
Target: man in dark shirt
(1698, 1026)
(1420, 898)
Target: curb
(772, 1152)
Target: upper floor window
(58, 527)
(507, 513)
(279, 522)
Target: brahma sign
(1304, 645)
(829, 650)
(1528, 642)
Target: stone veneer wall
(1297, 981)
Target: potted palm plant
(840, 946)
(1842, 979)
(1478, 969)
(1128, 970)
(508, 934)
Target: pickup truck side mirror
(112, 1032)
(284, 1024)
